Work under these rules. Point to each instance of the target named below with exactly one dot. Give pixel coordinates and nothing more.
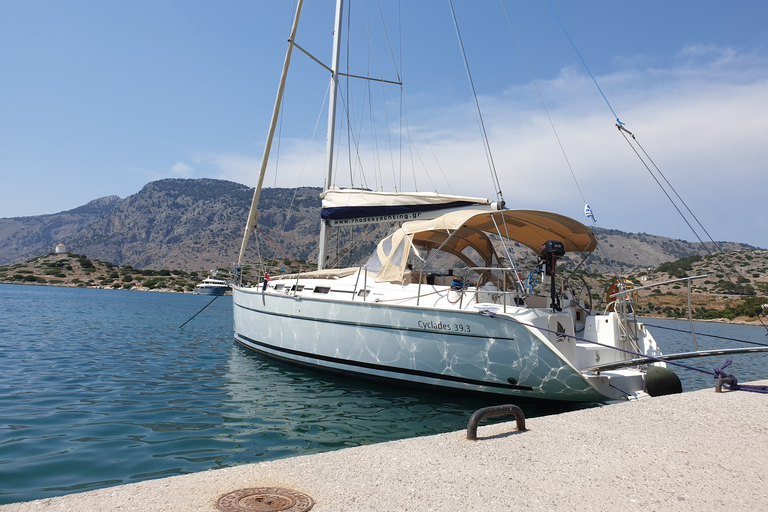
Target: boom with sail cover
(356, 206)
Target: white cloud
(704, 122)
(288, 172)
(182, 169)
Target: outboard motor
(550, 252)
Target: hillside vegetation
(78, 270)
(733, 285)
(729, 286)
(719, 295)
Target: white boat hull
(212, 286)
(456, 350)
(213, 290)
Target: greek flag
(588, 213)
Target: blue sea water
(102, 387)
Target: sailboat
(442, 304)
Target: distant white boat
(211, 286)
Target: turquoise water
(102, 387)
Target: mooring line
(734, 384)
(193, 316)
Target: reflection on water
(324, 412)
(101, 387)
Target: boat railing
(507, 286)
(364, 292)
(296, 288)
(624, 305)
(242, 277)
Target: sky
(99, 98)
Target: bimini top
(458, 230)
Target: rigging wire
(557, 136)
(346, 102)
(261, 260)
(353, 140)
(541, 99)
(398, 72)
(429, 145)
(362, 237)
(279, 139)
(624, 131)
(402, 94)
(354, 135)
(273, 244)
(717, 246)
(403, 117)
(304, 165)
(584, 62)
(484, 134)
(715, 256)
(707, 335)
(389, 138)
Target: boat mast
(253, 215)
(324, 225)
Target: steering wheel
(578, 290)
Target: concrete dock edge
(693, 451)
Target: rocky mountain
(172, 223)
(197, 224)
(22, 238)
(629, 250)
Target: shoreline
(132, 289)
(740, 321)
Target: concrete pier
(695, 451)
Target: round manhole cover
(265, 499)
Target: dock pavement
(696, 451)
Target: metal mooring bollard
(490, 412)
(720, 382)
